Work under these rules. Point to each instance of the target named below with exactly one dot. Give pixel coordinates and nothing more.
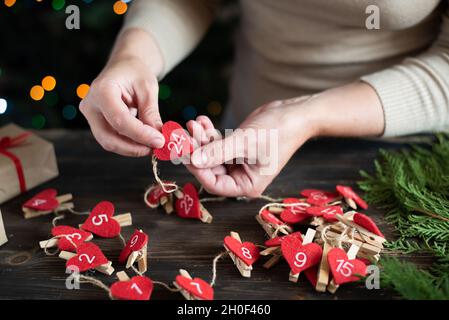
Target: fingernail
(159, 142)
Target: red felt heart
(347, 192)
(189, 205)
(300, 257)
(344, 270)
(155, 195)
(308, 192)
(246, 251)
(177, 142)
(88, 256)
(294, 214)
(197, 287)
(137, 241)
(70, 235)
(276, 242)
(366, 222)
(320, 198)
(268, 217)
(43, 201)
(100, 221)
(137, 288)
(312, 275)
(328, 213)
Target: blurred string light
(214, 108)
(189, 113)
(48, 83)
(37, 93)
(164, 92)
(87, 1)
(82, 90)
(69, 112)
(9, 3)
(3, 106)
(120, 7)
(58, 4)
(38, 121)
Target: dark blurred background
(34, 43)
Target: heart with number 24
(88, 256)
(43, 201)
(137, 288)
(197, 287)
(345, 270)
(246, 251)
(100, 221)
(69, 236)
(300, 257)
(177, 142)
(189, 205)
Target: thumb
(219, 151)
(147, 101)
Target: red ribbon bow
(7, 143)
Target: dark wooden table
(92, 175)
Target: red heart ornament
(43, 201)
(68, 235)
(155, 195)
(300, 257)
(189, 205)
(366, 222)
(294, 214)
(246, 251)
(312, 275)
(137, 241)
(328, 213)
(197, 287)
(276, 242)
(320, 198)
(268, 217)
(347, 192)
(308, 192)
(88, 256)
(137, 288)
(100, 221)
(344, 270)
(177, 142)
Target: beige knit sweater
(287, 48)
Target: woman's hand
(245, 162)
(127, 84)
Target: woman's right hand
(127, 83)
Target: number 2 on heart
(177, 143)
(89, 259)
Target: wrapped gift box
(3, 238)
(26, 161)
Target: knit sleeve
(415, 93)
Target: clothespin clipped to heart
(88, 256)
(274, 249)
(271, 224)
(352, 199)
(344, 267)
(103, 223)
(157, 196)
(135, 250)
(362, 234)
(178, 143)
(66, 238)
(244, 255)
(322, 277)
(46, 202)
(295, 214)
(188, 204)
(319, 197)
(135, 288)
(301, 255)
(193, 289)
(324, 214)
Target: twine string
(214, 266)
(168, 187)
(95, 282)
(49, 253)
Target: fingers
(117, 114)
(147, 93)
(109, 139)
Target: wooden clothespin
(272, 224)
(46, 202)
(352, 253)
(242, 254)
(193, 289)
(88, 256)
(122, 276)
(323, 271)
(364, 235)
(188, 204)
(135, 250)
(308, 238)
(135, 288)
(3, 237)
(156, 196)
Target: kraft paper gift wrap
(37, 158)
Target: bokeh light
(164, 92)
(82, 90)
(10, 3)
(214, 108)
(51, 99)
(69, 112)
(120, 7)
(38, 121)
(48, 83)
(37, 93)
(189, 113)
(3, 106)
(58, 4)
